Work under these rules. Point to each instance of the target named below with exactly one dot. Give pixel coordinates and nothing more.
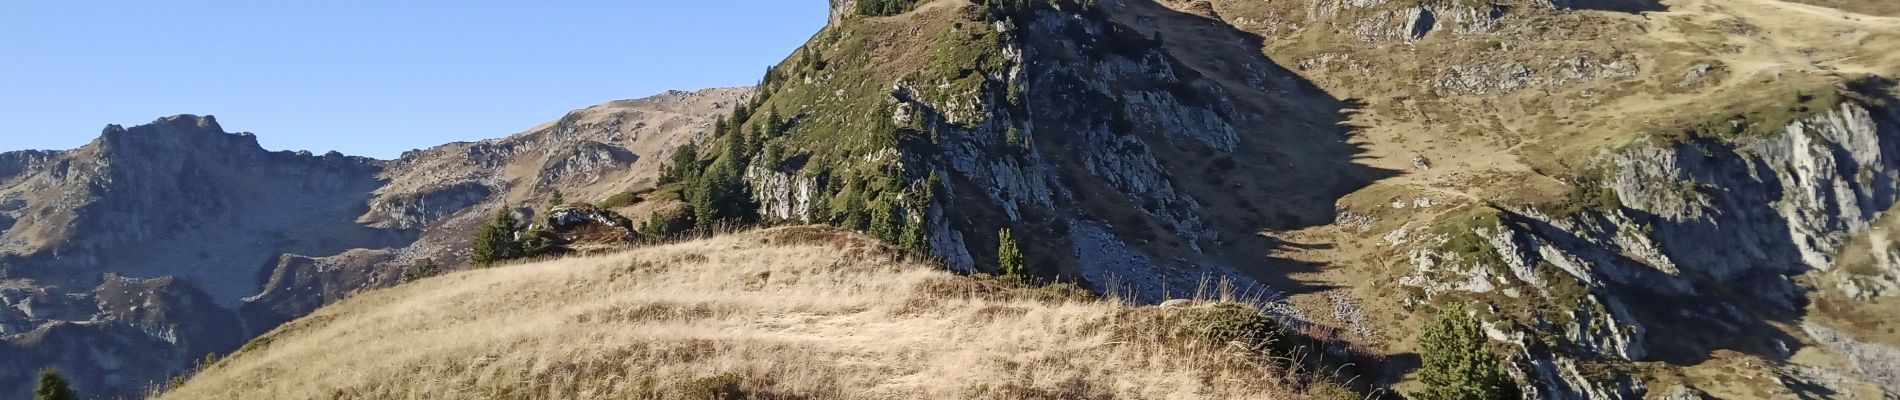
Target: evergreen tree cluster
(877, 201)
(497, 240)
(885, 7)
(710, 177)
(1456, 364)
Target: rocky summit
(128, 260)
(1612, 199)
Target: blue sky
(372, 78)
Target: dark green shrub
(621, 199)
(1455, 363)
(1228, 324)
(53, 386)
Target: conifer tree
(684, 166)
(53, 386)
(1457, 366)
(774, 126)
(1009, 256)
(885, 224)
(913, 237)
(495, 241)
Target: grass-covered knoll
(1462, 239)
(1770, 109)
(801, 312)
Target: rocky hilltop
(128, 260)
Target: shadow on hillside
(1293, 160)
(1626, 6)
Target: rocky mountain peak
(128, 259)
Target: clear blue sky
(372, 78)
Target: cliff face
(1713, 247)
(128, 260)
(1136, 169)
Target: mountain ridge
(238, 239)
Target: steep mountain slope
(954, 120)
(800, 312)
(1637, 193)
(123, 261)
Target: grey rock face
(417, 210)
(781, 195)
(1700, 223)
(1764, 207)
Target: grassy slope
(803, 312)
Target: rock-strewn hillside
(125, 260)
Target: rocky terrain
(1641, 199)
(132, 258)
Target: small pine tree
(855, 215)
(1009, 256)
(914, 239)
(1456, 365)
(774, 126)
(495, 241)
(53, 386)
(557, 199)
(886, 225)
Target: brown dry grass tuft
(797, 312)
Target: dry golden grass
(801, 312)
